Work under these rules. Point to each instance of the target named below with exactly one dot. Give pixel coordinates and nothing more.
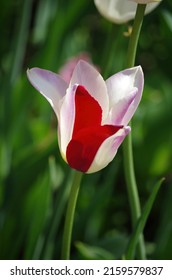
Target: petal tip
(127, 129)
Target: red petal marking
(83, 147)
(87, 110)
(88, 134)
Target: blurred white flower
(120, 11)
(145, 1)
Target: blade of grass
(58, 30)
(46, 250)
(21, 40)
(142, 221)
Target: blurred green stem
(127, 146)
(67, 234)
(21, 40)
(18, 53)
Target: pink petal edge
(125, 91)
(49, 84)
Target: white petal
(87, 76)
(49, 84)
(108, 150)
(125, 91)
(120, 11)
(66, 119)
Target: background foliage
(34, 181)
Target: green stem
(134, 38)
(127, 146)
(66, 243)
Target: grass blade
(142, 221)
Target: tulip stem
(127, 146)
(134, 38)
(67, 234)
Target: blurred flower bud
(121, 11)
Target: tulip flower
(121, 11)
(93, 114)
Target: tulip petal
(87, 110)
(108, 150)
(83, 147)
(49, 84)
(87, 76)
(125, 91)
(79, 110)
(66, 119)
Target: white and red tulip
(93, 114)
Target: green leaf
(93, 253)
(57, 216)
(35, 213)
(168, 19)
(142, 221)
(56, 173)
